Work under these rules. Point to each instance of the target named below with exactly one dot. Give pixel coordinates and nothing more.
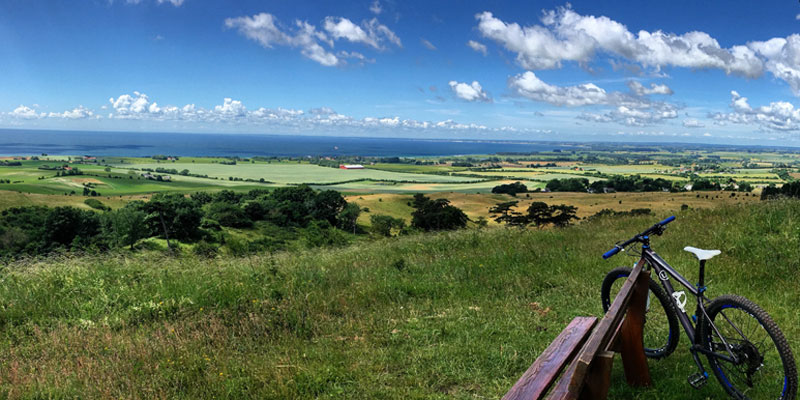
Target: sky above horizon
(681, 71)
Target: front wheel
(764, 367)
(660, 336)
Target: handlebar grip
(667, 220)
(611, 252)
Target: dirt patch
(795, 175)
(87, 180)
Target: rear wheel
(660, 321)
(765, 367)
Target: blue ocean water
(136, 144)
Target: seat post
(701, 281)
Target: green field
(296, 173)
(453, 315)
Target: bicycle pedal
(697, 380)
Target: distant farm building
(351, 166)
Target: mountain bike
(746, 351)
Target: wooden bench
(586, 348)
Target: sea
(138, 144)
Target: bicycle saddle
(702, 254)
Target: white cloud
(528, 85)
(469, 92)
(25, 112)
(346, 29)
(479, 47)
(692, 123)
(79, 112)
(640, 90)
(375, 7)
(782, 58)
(568, 36)
(777, 116)
(264, 29)
(797, 17)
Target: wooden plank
(633, 359)
(539, 377)
(598, 378)
(569, 387)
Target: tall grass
(459, 314)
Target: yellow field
(477, 205)
(10, 199)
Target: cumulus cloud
(565, 35)
(469, 91)
(427, 44)
(528, 85)
(692, 123)
(25, 112)
(777, 116)
(640, 90)
(79, 112)
(479, 47)
(265, 29)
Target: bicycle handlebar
(657, 228)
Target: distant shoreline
(19, 142)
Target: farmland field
(291, 173)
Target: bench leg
(632, 349)
(598, 377)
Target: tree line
(286, 214)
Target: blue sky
(681, 71)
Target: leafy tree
(173, 215)
(439, 214)
(539, 213)
(382, 225)
(65, 225)
(228, 214)
(327, 205)
(507, 214)
(348, 217)
(563, 215)
(126, 226)
(511, 188)
(568, 185)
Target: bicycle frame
(664, 272)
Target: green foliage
(436, 215)
(538, 214)
(568, 185)
(96, 204)
(227, 214)
(126, 226)
(510, 188)
(348, 217)
(507, 215)
(383, 225)
(791, 189)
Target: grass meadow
(451, 315)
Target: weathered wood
(634, 361)
(570, 385)
(539, 377)
(598, 378)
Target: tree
(348, 217)
(563, 215)
(439, 214)
(507, 214)
(511, 188)
(327, 205)
(126, 226)
(382, 225)
(539, 213)
(228, 214)
(66, 224)
(173, 215)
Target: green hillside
(451, 315)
